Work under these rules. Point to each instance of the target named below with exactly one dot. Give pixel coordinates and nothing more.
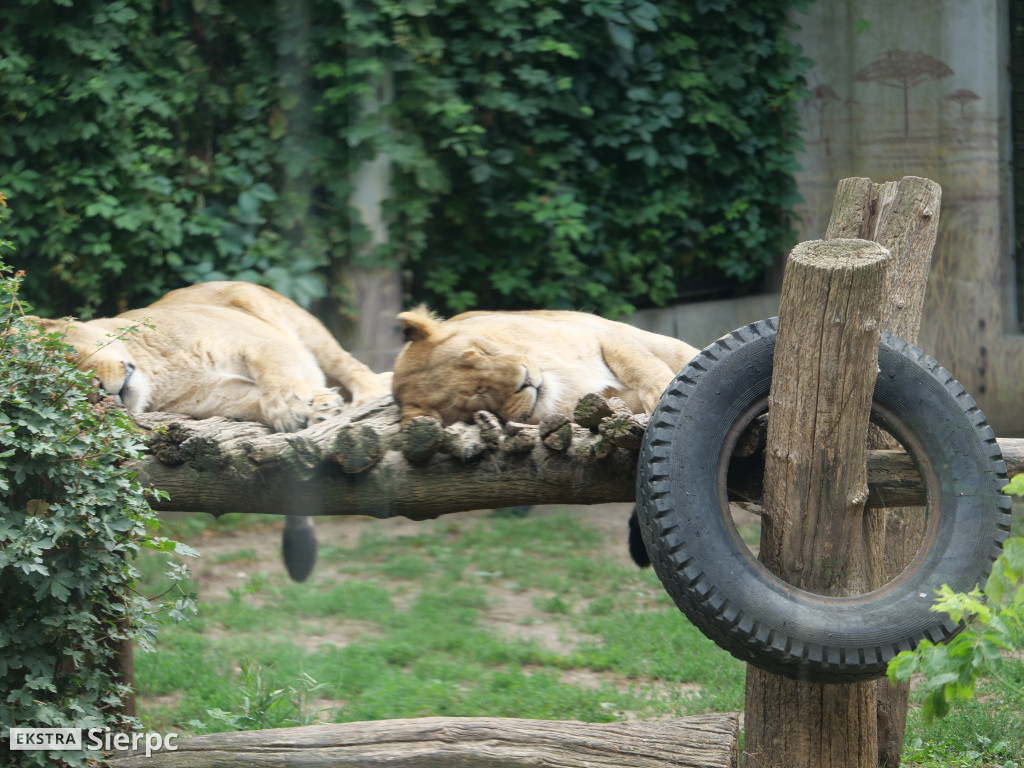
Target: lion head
(526, 365)
(451, 371)
(99, 349)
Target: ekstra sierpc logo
(99, 739)
(46, 738)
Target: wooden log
(234, 470)
(702, 741)
(221, 466)
(902, 217)
(815, 487)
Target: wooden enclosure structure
(841, 293)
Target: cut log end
(421, 438)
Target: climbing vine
(73, 517)
(602, 154)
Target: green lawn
(540, 616)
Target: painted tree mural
(962, 97)
(821, 97)
(904, 69)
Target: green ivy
(72, 518)
(601, 154)
(154, 144)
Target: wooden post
(904, 218)
(372, 334)
(813, 534)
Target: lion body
(524, 366)
(228, 349)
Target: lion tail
(637, 548)
(298, 547)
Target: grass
(988, 731)
(405, 630)
(499, 616)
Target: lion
(523, 366)
(230, 349)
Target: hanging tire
(717, 582)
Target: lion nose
(527, 382)
(129, 371)
(122, 393)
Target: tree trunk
(813, 534)
(904, 218)
(703, 741)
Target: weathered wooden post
(817, 534)
(813, 534)
(904, 218)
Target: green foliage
(261, 707)
(995, 631)
(153, 144)
(981, 733)
(72, 519)
(597, 155)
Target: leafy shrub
(595, 155)
(71, 518)
(145, 144)
(985, 649)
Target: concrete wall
(702, 322)
(950, 124)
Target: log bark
(354, 465)
(362, 464)
(904, 218)
(704, 741)
(815, 488)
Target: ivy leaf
(184, 549)
(59, 589)
(620, 35)
(644, 15)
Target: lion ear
(418, 324)
(46, 325)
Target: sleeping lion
(229, 349)
(523, 366)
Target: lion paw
(327, 404)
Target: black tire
(733, 599)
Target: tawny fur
(228, 349)
(524, 366)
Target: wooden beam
(904, 218)
(356, 466)
(702, 741)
